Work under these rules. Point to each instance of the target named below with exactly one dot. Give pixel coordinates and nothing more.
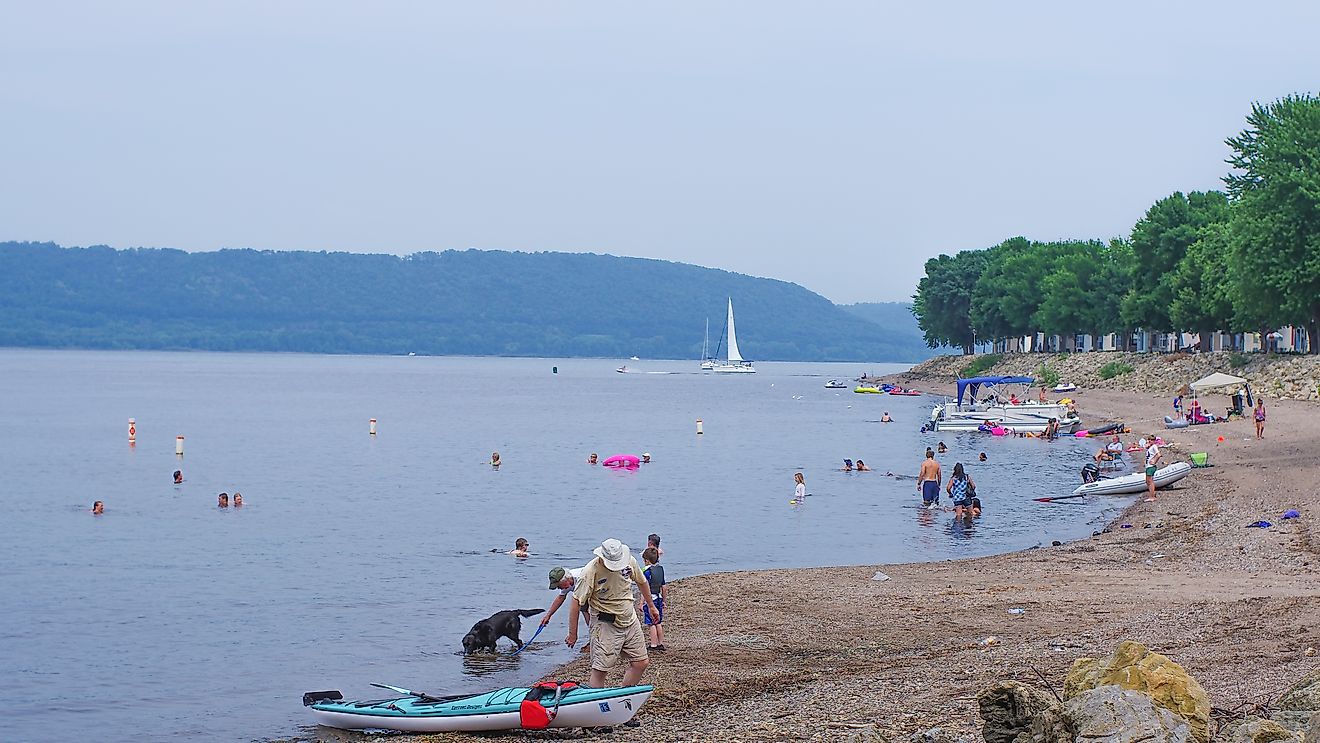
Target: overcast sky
(836, 145)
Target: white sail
(734, 356)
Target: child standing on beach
(655, 578)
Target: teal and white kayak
(503, 709)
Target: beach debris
(1310, 653)
(1133, 667)
(1292, 513)
(879, 576)
(1125, 526)
(1153, 525)
(1259, 524)
(988, 642)
(1017, 611)
(1157, 555)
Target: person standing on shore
(1259, 415)
(929, 479)
(800, 490)
(606, 590)
(1152, 464)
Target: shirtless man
(929, 479)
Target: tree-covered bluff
(454, 302)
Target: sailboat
(707, 361)
(735, 363)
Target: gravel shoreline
(828, 654)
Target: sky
(837, 145)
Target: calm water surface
(360, 558)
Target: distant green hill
(456, 302)
(898, 319)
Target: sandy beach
(830, 654)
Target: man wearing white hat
(605, 588)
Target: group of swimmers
(222, 500)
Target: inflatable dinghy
(1135, 482)
(552, 704)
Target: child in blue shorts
(655, 577)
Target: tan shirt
(603, 590)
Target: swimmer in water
(495, 459)
(983, 456)
(238, 500)
(222, 501)
(646, 457)
(592, 459)
(885, 418)
(178, 477)
(98, 508)
(847, 465)
(861, 466)
(942, 448)
(520, 548)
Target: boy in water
(655, 578)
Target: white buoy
(373, 426)
(699, 431)
(178, 446)
(132, 430)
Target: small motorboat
(622, 369)
(548, 704)
(1064, 387)
(1135, 482)
(633, 358)
(836, 384)
(904, 393)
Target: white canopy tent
(1216, 380)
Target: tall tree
(1159, 242)
(1275, 235)
(1008, 293)
(1202, 290)
(943, 300)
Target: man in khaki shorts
(605, 588)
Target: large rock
(1109, 714)
(1297, 705)
(1012, 712)
(1313, 729)
(1256, 730)
(1134, 667)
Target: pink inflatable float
(623, 461)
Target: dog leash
(529, 642)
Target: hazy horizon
(838, 147)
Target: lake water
(360, 558)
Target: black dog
(483, 634)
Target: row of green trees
(1247, 259)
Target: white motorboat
(1135, 482)
(734, 363)
(1064, 387)
(836, 384)
(966, 413)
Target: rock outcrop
(1273, 375)
(1013, 712)
(1134, 667)
(1110, 714)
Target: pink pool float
(623, 461)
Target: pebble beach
(835, 654)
